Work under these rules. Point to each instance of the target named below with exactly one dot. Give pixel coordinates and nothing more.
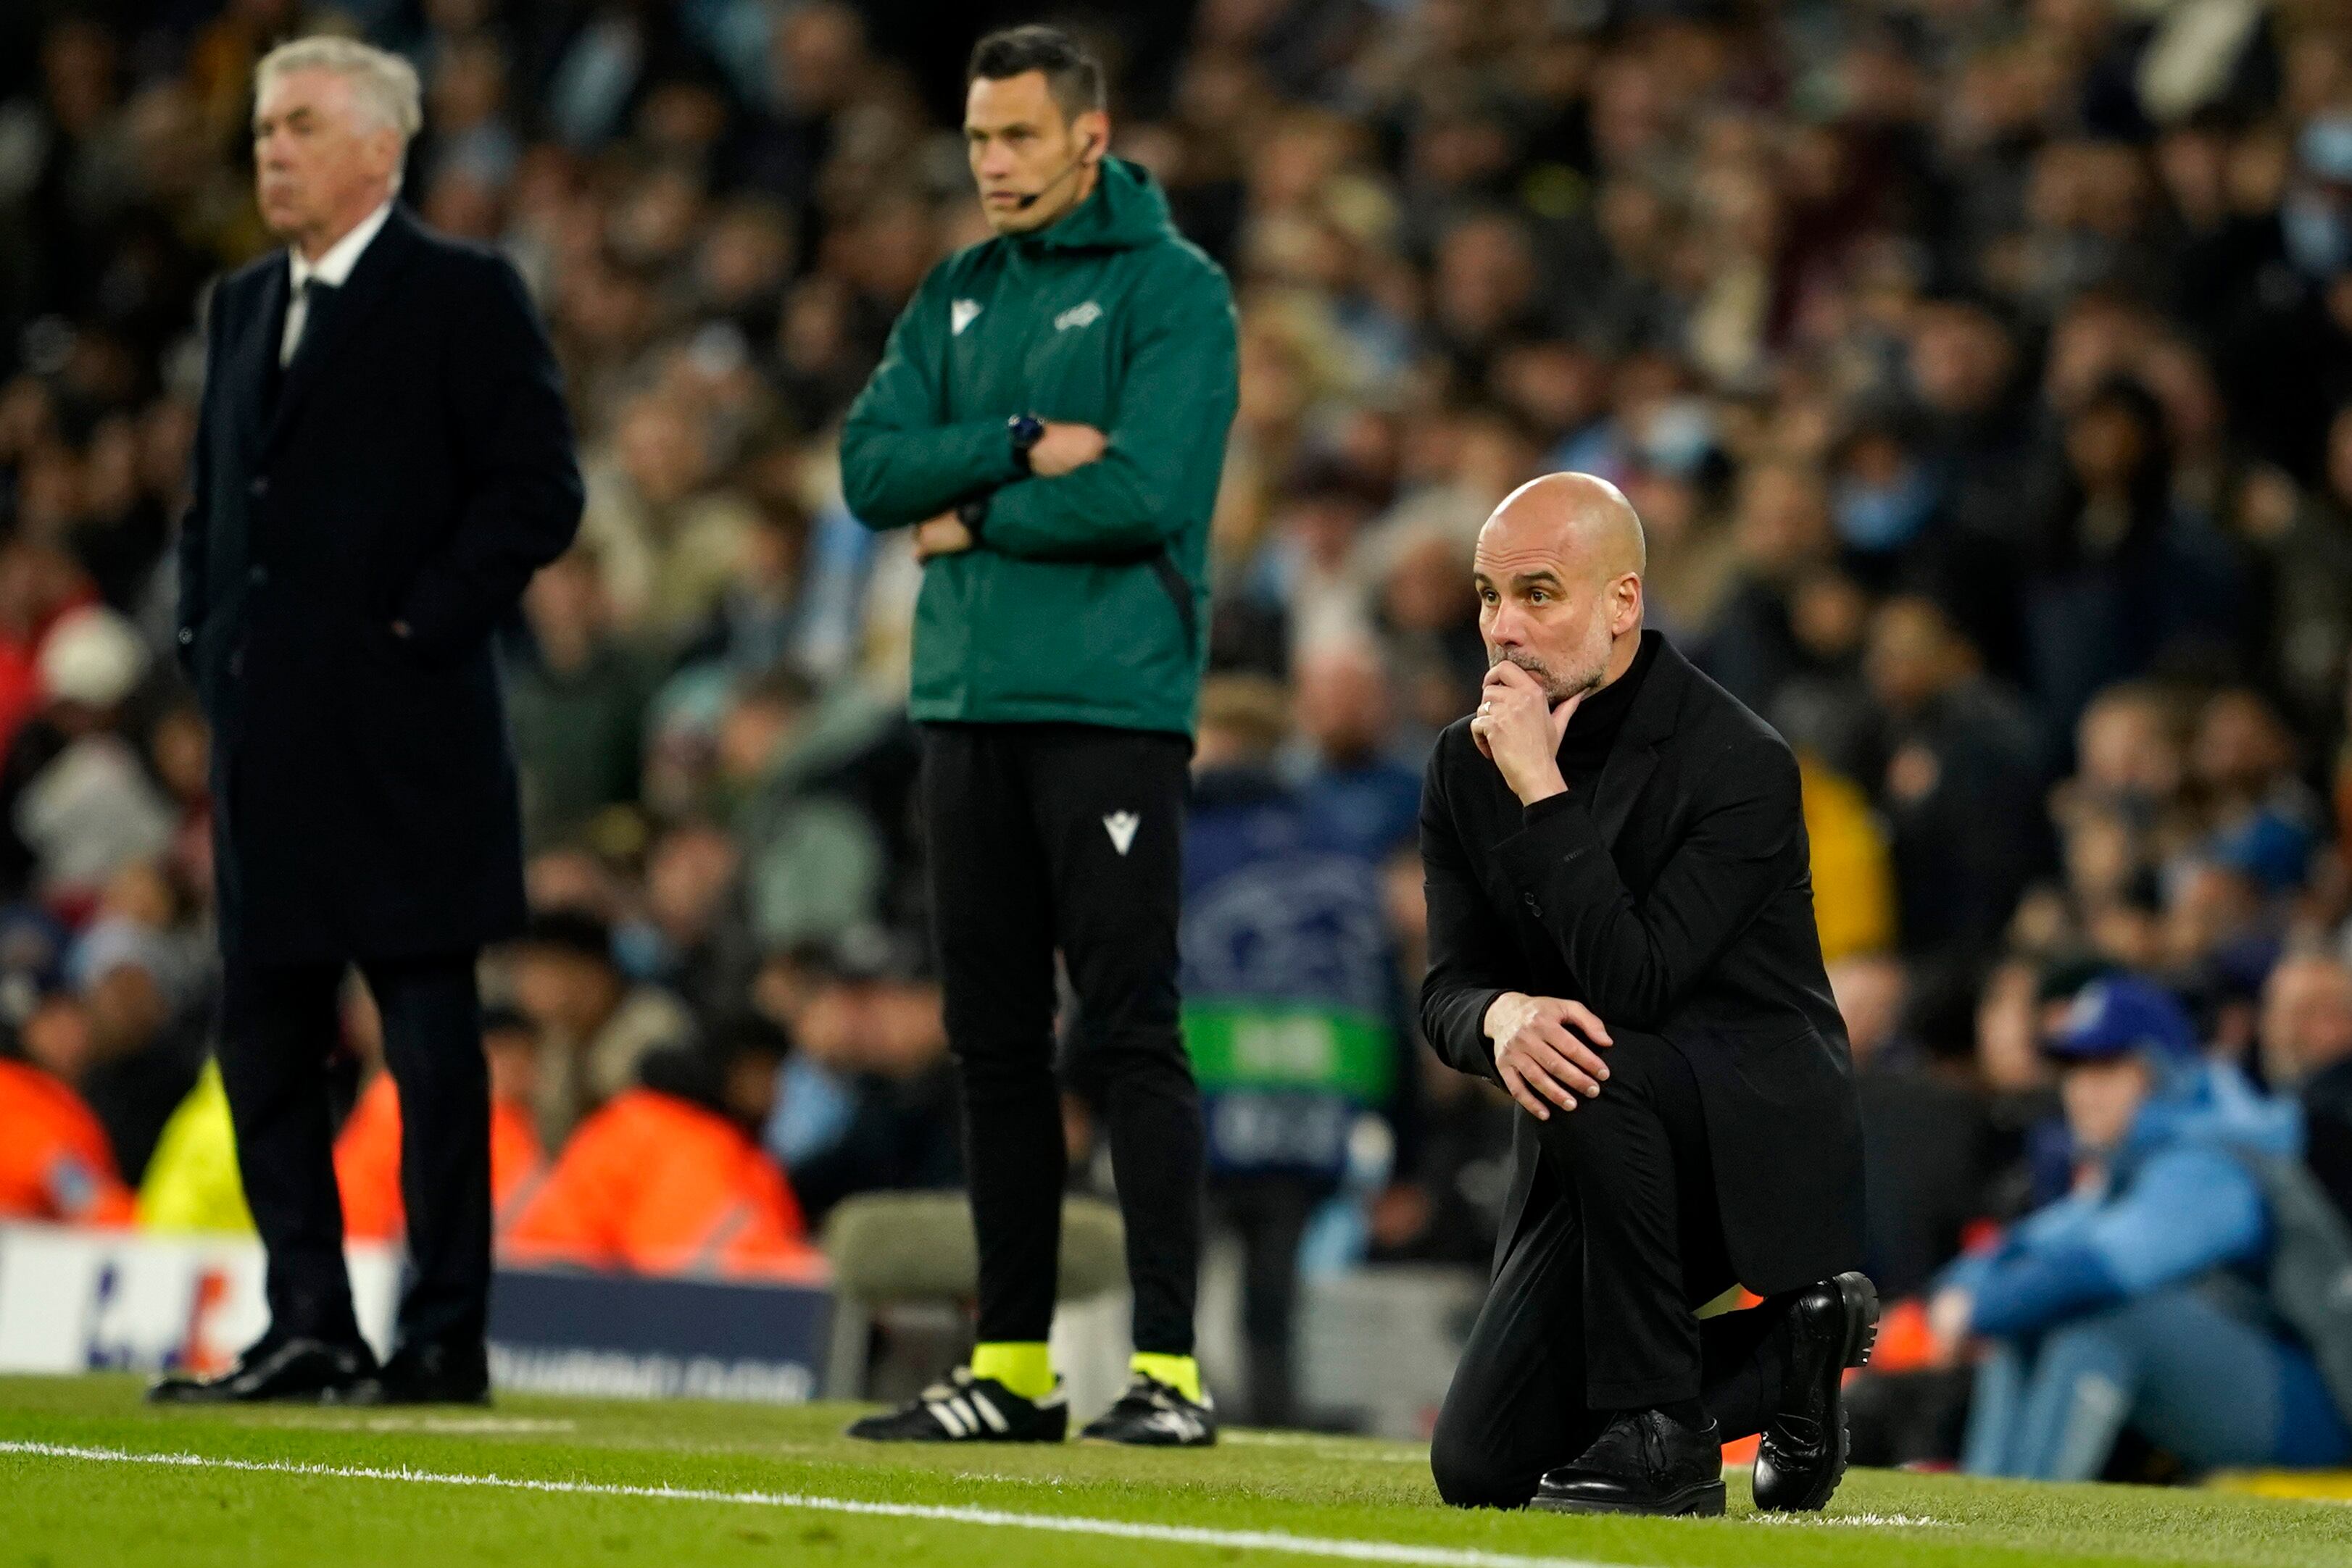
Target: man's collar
(334, 269)
(1654, 707)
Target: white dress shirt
(334, 269)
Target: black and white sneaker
(968, 1409)
(1150, 1414)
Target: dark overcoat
(1673, 896)
(413, 465)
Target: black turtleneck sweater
(1585, 748)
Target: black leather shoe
(441, 1374)
(1829, 1327)
(1646, 1462)
(288, 1371)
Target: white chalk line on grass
(1172, 1534)
(1869, 1521)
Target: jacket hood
(1125, 210)
(2214, 1104)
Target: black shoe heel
(1860, 1298)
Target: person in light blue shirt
(2139, 1300)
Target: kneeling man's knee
(1468, 1475)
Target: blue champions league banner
(625, 1336)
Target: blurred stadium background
(1982, 369)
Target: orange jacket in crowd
(656, 1185)
(367, 1162)
(55, 1162)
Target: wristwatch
(1027, 430)
(971, 514)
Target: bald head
(1558, 572)
(1590, 518)
(2306, 1019)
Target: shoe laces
(1144, 1389)
(957, 1382)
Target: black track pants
(1068, 837)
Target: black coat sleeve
(1637, 960)
(523, 493)
(1468, 947)
(195, 523)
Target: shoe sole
(322, 1396)
(959, 1442)
(1859, 1297)
(1859, 1300)
(1006, 1439)
(1702, 1502)
(1094, 1442)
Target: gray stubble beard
(1556, 690)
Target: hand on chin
(1518, 727)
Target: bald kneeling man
(1621, 935)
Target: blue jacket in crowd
(2177, 1200)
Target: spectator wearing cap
(595, 1025)
(885, 1109)
(2139, 1300)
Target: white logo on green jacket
(960, 315)
(1084, 315)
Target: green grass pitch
(90, 1476)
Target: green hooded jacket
(1087, 600)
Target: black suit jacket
(414, 464)
(1673, 896)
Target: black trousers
(1591, 1312)
(278, 1023)
(1069, 837)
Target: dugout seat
(894, 1250)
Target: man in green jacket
(1051, 416)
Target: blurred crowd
(1980, 369)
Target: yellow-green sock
(1020, 1365)
(1181, 1373)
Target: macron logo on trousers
(1121, 826)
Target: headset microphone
(1026, 202)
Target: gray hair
(383, 84)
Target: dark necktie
(318, 300)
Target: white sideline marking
(1172, 1535)
(1874, 1521)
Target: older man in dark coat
(1621, 933)
(383, 462)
